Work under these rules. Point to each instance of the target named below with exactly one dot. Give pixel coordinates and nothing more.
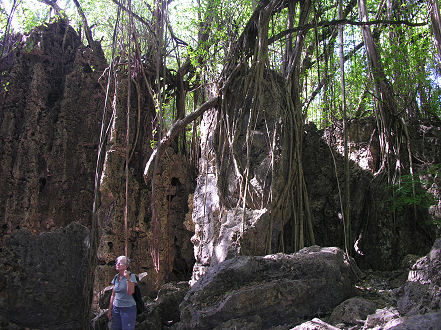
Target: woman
(122, 308)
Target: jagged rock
(422, 292)
(164, 310)
(352, 311)
(315, 324)
(427, 270)
(167, 303)
(253, 322)
(100, 322)
(172, 185)
(104, 297)
(49, 131)
(43, 278)
(50, 119)
(381, 239)
(381, 317)
(223, 229)
(278, 288)
(429, 321)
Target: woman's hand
(109, 314)
(130, 284)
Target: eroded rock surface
(225, 228)
(50, 117)
(42, 278)
(49, 131)
(269, 291)
(422, 292)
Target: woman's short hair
(124, 260)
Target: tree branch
(53, 4)
(173, 132)
(343, 21)
(87, 30)
(139, 18)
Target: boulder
(164, 310)
(422, 292)
(389, 319)
(427, 321)
(251, 323)
(43, 278)
(381, 317)
(315, 324)
(352, 311)
(277, 288)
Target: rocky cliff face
(382, 232)
(50, 115)
(173, 184)
(51, 107)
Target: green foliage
(407, 53)
(4, 82)
(404, 197)
(3, 20)
(5, 86)
(31, 14)
(29, 45)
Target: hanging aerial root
(174, 131)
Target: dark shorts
(124, 318)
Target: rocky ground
(311, 291)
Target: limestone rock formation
(49, 129)
(172, 187)
(225, 227)
(382, 237)
(414, 305)
(351, 311)
(268, 291)
(422, 292)
(50, 119)
(50, 116)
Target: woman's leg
(128, 317)
(116, 318)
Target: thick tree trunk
(436, 25)
(386, 104)
(290, 25)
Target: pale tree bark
(386, 103)
(55, 7)
(96, 47)
(290, 25)
(436, 26)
